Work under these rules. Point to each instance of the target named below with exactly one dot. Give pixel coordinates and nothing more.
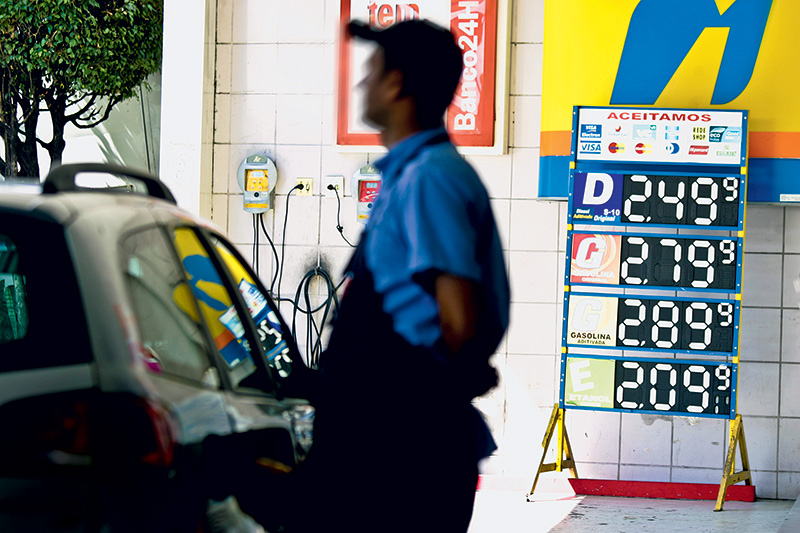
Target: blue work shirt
(433, 216)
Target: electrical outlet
(308, 185)
(337, 182)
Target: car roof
(66, 207)
(62, 207)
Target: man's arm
(457, 299)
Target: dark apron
(393, 432)
(366, 358)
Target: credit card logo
(698, 150)
(672, 133)
(617, 130)
(672, 148)
(699, 133)
(643, 148)
(644, 132)
(590, 148)
(716, 133)
(616, 148)
(723, 134)
(732, 135)
(727, 151)
(591, 131)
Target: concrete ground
(499, 510)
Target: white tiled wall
(275, 95)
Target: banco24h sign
(476, 117)
(724, 54)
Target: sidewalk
(500, 510)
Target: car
(145, 371)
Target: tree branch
(46, 145)
(85, 108)
(78, 96)
(106, 113)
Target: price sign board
(656, 199)
(704, 263)
(656, 203)
(658, 386)
(708, 326)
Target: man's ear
(394, 83)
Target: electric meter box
(257, 176)
(366, 185)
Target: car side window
(169, 321)
(220, 313)
(13, 302)
(270, 330)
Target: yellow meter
(257, 176)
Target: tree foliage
(71, 61)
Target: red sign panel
(470, 118)
(595, 259)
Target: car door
(296, 382)
(228, 304)
(179, 355)
(294, 378)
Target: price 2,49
(681, 200)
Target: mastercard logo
(616, 148)
(643, 148)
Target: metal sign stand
(565, 457)
(729, 476)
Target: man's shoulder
(444, 162)
(444, 151)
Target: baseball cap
(419, 40)
(415, 33)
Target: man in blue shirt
(426, 307)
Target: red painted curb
(654, 489)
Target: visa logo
(590, 148)
(591, 131)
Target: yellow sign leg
(729, 475)
(565, 458)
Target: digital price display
(692, 388)
(655, 260)
(657, 200)
(636, 322)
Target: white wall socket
(338, 184)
